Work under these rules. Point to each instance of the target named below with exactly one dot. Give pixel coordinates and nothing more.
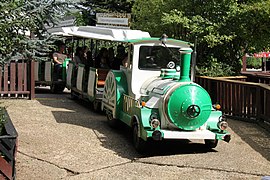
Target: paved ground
(63, 139)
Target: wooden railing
(17, 80)
(245, 100)
(257, 77)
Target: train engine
(168, 106)
(176, 108)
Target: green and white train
(153, 94)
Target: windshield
(158, 57)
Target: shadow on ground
(119, 140)
(256, 136)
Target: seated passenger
(111, 57)
(121, 55)
(78, 55)
(125, 61)
(87, 57)
(102, 59)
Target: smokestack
(185, 64)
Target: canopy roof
(109, 34)
(62, 31)
(121, 35)
(154, 40)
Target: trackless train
(153, 93)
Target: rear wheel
(57, 88)
(73, 96)
(210, 144)
(96, 106)
(111, 121)
(139, 143)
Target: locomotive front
(181, 109)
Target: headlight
(222, 125)
(216, 106)
(155, 123)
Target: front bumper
(197, 134)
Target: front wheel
(210, 144)
(139, 143)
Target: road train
(153, 93)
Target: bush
(213, 68)
(253, 62)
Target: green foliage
(253, 62)
(213, 68)
(17, 18)
(226, 29)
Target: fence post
(244, 62)
(32, 80)
(258, 103)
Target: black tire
(138, 143)
(111, 121)
(210, 144)
(57, 88)
(96, 106)
(52, 88)
(73, 96)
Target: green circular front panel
(188, 106)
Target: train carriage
(153, 94)
(89, 82)
(45, 74)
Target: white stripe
(198, 134)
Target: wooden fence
(239, 99)
(257, 77)
(17, 80)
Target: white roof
(94, 32)
(62, 31)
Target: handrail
(248, 101)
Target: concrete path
(63, 139)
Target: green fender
(115, 87)
(142, 115)
(212, 122)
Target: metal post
(193, 62)
(32, 80)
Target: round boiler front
(187, 106)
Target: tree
(226, 29)
(18, 17)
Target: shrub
(253, 62)
(213, 68)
